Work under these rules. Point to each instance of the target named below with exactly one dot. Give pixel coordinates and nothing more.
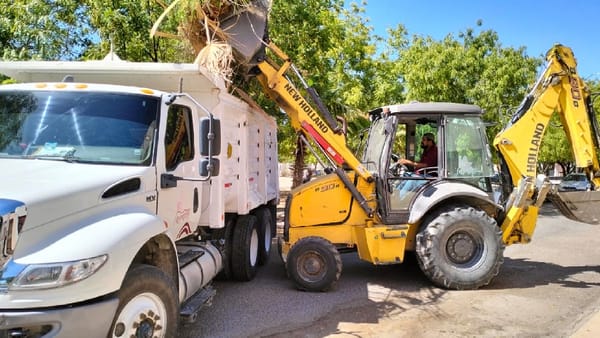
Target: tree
(45, 30)
(474, 69)
(125, 26)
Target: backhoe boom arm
(321, 128)
(558, 89)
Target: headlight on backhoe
(44, 276)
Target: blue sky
(535, 25)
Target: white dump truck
(125, 189)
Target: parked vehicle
(555, 180)
(575, 182)
(124, 194)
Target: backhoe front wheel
(460, 248)
(314, 264)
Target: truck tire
(244, 250)
(226, 234)
(460, 248)
(314, 264)
(273, 210)
(148, 305)
(263, 215)
(280, 252)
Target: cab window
(178, 138)
(467, 155)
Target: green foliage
(475, 69)
(126, 25)
(331, 45)
(330, 41)
(45, 30)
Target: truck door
(178, 200)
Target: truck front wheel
(314, 264)
(148, 305)
(460, 248)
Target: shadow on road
(523, 273)
(372, 293)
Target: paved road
(550, 287)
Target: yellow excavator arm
(322, 129)
(559, 89)
(327, 134)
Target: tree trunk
(298, 163)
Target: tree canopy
(331, 41)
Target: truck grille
(12, 219)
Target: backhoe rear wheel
(314, 264)
(460, 247)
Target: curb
(590, 329)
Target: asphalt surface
(550, 287)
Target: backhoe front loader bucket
(246, 32)
(581, 206)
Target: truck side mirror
(206, 136)
(209, 166)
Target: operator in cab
(428, 157)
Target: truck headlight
(43, 276)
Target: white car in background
(575, 182)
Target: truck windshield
(95, 127)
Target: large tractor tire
(460, 248)
(263, 215)
(244, 250)
(314, 264)
(148, 305)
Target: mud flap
(581, 206)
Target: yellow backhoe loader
(455, 216)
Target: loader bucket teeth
(247, 33)
(581, 206)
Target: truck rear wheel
(314, 264)
(263, 214)
(460, 248)
(148, 305)
(244, 250)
